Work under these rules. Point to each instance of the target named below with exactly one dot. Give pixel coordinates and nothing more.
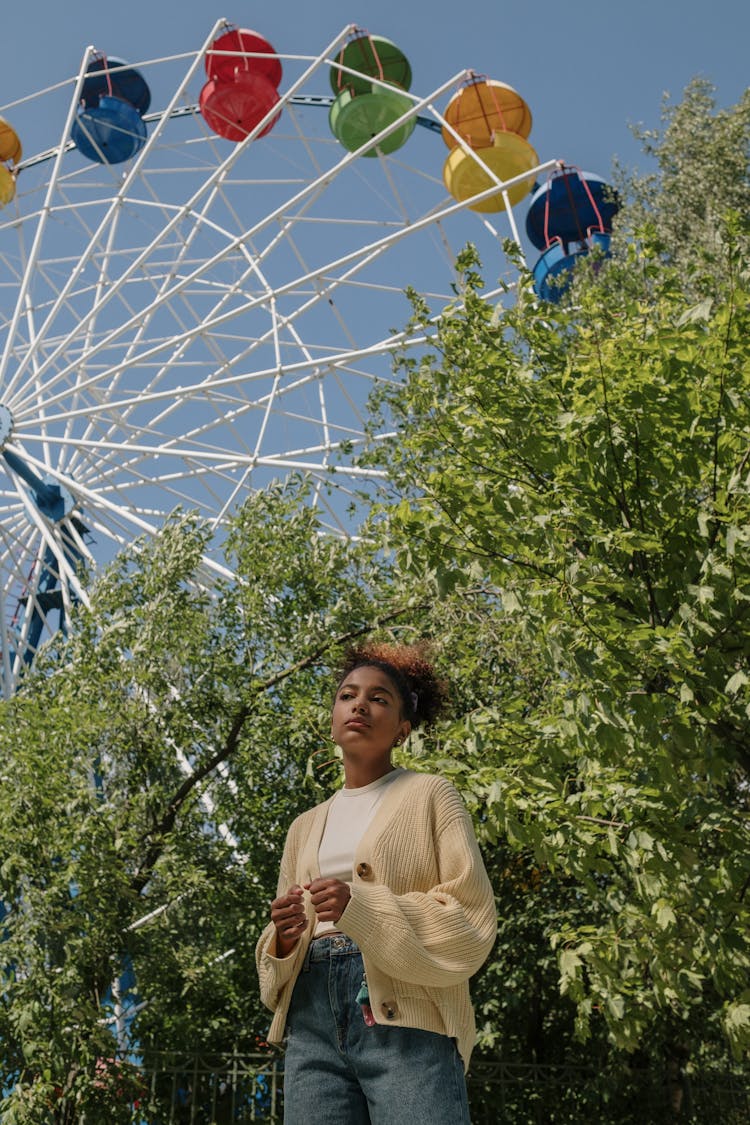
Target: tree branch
(167, 821)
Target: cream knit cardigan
(421, 911)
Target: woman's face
(366, 716)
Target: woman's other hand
(288, 916)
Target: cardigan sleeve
(276, 972)
(437, 937)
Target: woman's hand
(329, 897)
(288, 916)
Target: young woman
(384, 911)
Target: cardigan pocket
(411, 991)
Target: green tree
(590, 462)
(151, 766)
(701, 174)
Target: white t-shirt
(349, 816)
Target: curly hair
(422, 693)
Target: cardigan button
(389, 1009)
(364, 871)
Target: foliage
(590, 461)
(701, 156)
(151, 766)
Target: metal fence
(210, 1090)
(534, 1094)
(238, 1089)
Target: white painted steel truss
(203, 319)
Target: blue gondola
(109, 75)
(568, 216)
(114, 96)
(558, 259)
(110, 132)
(568, 205)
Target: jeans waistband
(330, 945)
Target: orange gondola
(482, 108)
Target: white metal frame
(188, 325)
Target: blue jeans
(339, 1071)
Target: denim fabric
(338, 1071)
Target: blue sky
(587, 69)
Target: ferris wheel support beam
(55, 504)
(96, 500)
(50, 499)
(43, 527)
(28, 315)
(48, 595)
(7, 678)
(57, 585)
(144, 325)
(319, 364)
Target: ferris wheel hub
(6, 425)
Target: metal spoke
(204, 318)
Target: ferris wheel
(202, 279)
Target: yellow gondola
(7, 185)
(509, 155)
(10, 146)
